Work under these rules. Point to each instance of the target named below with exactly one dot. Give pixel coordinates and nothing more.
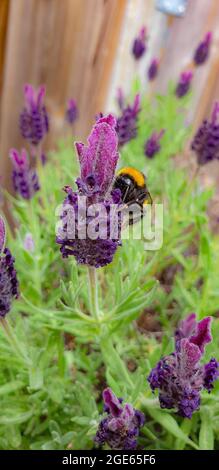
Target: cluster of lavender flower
(179, 379)
(127, 122)
(205, 143)
(139, 48)
(9, 287)
(34, 125)
(201, 54)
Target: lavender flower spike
(184, 84)
(28, 243)
(152, 145)
(120, 428)
(203, 49)
(71, 112)
(25, 180)
(98, 162)
(153, 69)
(211, 373)
(120, 98)
(8, 278)
(139, 44)
(179, 377)
(127, 122)
(206, 140)
(34, 121)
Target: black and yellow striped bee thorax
(132, 184)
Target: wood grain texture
(68, 45)
(4, 7)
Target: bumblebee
(132, 184)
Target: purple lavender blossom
(152, 145)
(206, 140)
(120, 428)
(139, 44)
(184, 84)
(8, 278)
(211, 373)
(98, 161)
(179, 377)
(34, 121)
(29, 244)
(25, 180)
(153, 69)
(203, 50)
(120, 98)
(126, 126)
(71, 112)
(43, 158)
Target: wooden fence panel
(68, 45)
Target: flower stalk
(93, 293)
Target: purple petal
(128, 412)
(112, 402)
(211, 373)
(143, 33)
(187, 326)
(79, 148)
(19, 160)
(40, 95)
(208, 38)
(2, 233)
(29, 94)
(136, 104)
(190, 355)
(202, 335)
(109, 119)
(100, 157)
(120, 98)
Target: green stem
(93, 293)
(12, 339)
(114, 362)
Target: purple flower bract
(203, 49)
(126, 126)
(139, 44)
(25, 179)
(34, 121)
(184, 84)
(152, 145)
(120, 428)
(153, 69)
(71, 112)
(179, 377)
(206, 140)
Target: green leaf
(11, 387)
(170, 424)
(206, 434)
